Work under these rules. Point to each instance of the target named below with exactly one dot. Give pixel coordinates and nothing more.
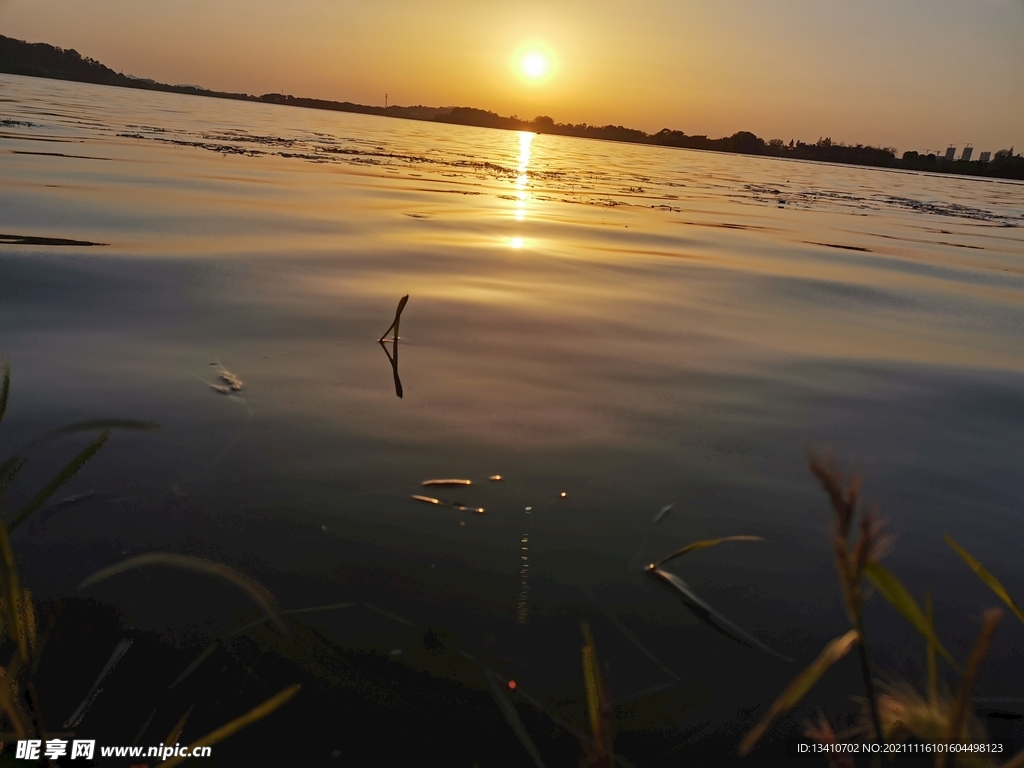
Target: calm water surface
(630, 326)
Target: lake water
(629, 326)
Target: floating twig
(447, 482)
(428, 500)
(398, 318)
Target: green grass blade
(8, 471)
(59, 479)
(89, 426)
(709, 615)
(251, 587)
(899, 597)
(697, 545)
(990, 581)
(5, 387)
(797, 689)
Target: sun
(534, 62)
(535, 65)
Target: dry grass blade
(28, 617)
(119, 651)
(5, 387)
(990, 581)
(961, 706)
(11, 591)
(251, 587)
(512, 717)
(823, 733)
(592, 683)
(933, 670)
(69, 471)
(899, 597)
(175, 734)
(709, 615)
(250, 717)
(203, 656)
(797, 689)
(697, 545)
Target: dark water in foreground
(630, 326)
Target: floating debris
(454, 504)
(429, 500)
(447, 482)
(662, 512)
(231, 382)
(494, 478)
(562, 494)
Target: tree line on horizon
(43, 60)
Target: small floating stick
(398, 317)
(429, 500)
(447, 482)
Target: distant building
(966, 154)
(985, 157)
(951, 153)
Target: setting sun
(534, 62)
(534, 65)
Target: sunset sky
(915, 74)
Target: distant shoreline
(47, 61)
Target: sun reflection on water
(523, 177)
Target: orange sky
(916, 74)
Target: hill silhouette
(43, 60)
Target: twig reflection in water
(393, 359)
